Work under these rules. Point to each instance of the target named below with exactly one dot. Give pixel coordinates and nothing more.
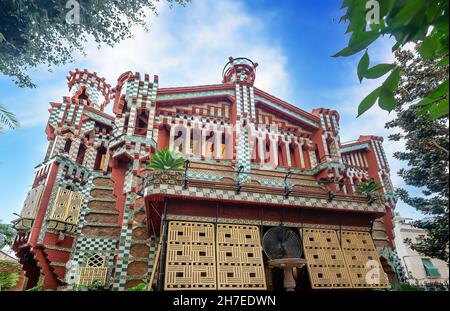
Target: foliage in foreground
(9, 273)
(403, 287)
(426, 152)
(36, 288)
(96, 285)
(8, 280)
(138, 288)
(421, 22)
(49, 32)
(7, 234)
(7, 119)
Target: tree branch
(439, 146)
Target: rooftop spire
(239, 70)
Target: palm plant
(165, 160)
(7, 119)
(368, 187)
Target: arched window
(94, 270)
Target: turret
(89, 87)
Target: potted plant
(167, 168)
(370, 189)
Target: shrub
(138, 288)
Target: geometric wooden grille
(350, 261)
(197, 259)
(94, 270)
(31, 204)
(362, 260)
(325, 261)
(88, 275)
(239, 258)
(190, 259)
(67, 206)
(95, 261)
(74, 207)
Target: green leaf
(361, 40)
(440, 91)
(443, 62)
(429, 47)
(378, 71)
(433, 103)
(386, 7)
(358, 42)
(408, 12)
(344, 52)
(386, 100)
(1, 38)
(165, 160)
(439, 110)
(368, 102)
(363, 65)
(426, 101)
(391, 83)
(357, 16)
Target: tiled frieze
(220, 194)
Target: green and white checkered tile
(262, 197)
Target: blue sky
(291, 40)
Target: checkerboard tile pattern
(263, 198)
(87, 246)
(123, 252)
(153, 243)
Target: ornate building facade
(96, 212)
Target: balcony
(65, 212)
(29, 210)
(222, 183)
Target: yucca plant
(165, 160)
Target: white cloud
(190, 46)
(184, 46)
